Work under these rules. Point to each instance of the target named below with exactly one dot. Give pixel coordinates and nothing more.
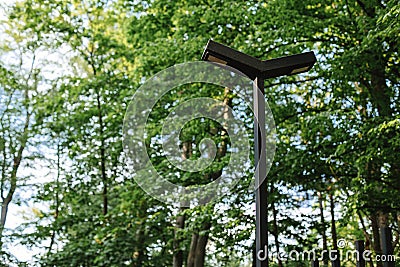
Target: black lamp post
(259, 70)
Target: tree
(20, 94)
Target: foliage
(337, 127)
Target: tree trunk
(323, 223)
(276, 233)
(192, 250)
(197, 251)
(4, 212)
(378, 89)
(13, 177)
(336, 261)
(103, 173)
(376, 235)
(7, 200)
(201, 245)
(368, 241)
(386, 237)
(333, 221)
(178, 252)
(383, 219)
(102, 156)
(57, 197)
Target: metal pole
(261, 173)
(360, 253)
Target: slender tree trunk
(197, 251)
(276, 233)
(13, 177)
(323, 223)
(368, 241)
(386, 236)
(192, 250)
(201, 245)
(333, 221)
(102, 141)
(18, 157)
(178, 254)
(57, 200)
(335, 262)
(7, 200)
(4, 212)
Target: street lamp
(259, 70)
(255, 68)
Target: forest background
(68, 70)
